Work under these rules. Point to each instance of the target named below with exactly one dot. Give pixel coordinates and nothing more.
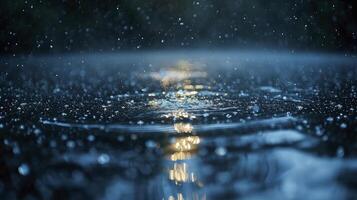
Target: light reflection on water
(185, 145)
(181, 150)
(197, 122)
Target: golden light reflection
(176, 105)
(179, 114)
(184, 94)
(183, 70)
(183, 127)
(193, 87)
(180, 173)
(192, 197)
(179, 197)
(183, 148)
(189, 143)
(180, 156)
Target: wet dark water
(179, 125)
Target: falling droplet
(103, 159)
(150, 144)
(221, 151)
(343, 125)
(24, 169)
(340, 152)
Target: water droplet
(24, 169)
(329, 119)
(221, 151)
(37, 131)
(103, 159)
(318, 130)
(120, 138)
(255, 108)
(150, 144)
(133, 136)
(91, 138)
(340, 152)
(71, 144)
(339, 106)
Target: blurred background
(40, 26)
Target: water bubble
(24, 169)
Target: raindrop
(120, 138)
(221, 151)
(255, 108)
(329, 119)
(133, 136)
(103, 159)
(24, 169)
(339, 106)
(318, 130)
(150, 144)
(71, 144)
(37, 131)
(340, 152)
(91, 138)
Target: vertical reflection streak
(185, 145)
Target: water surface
(178, 125)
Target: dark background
(52, 26)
